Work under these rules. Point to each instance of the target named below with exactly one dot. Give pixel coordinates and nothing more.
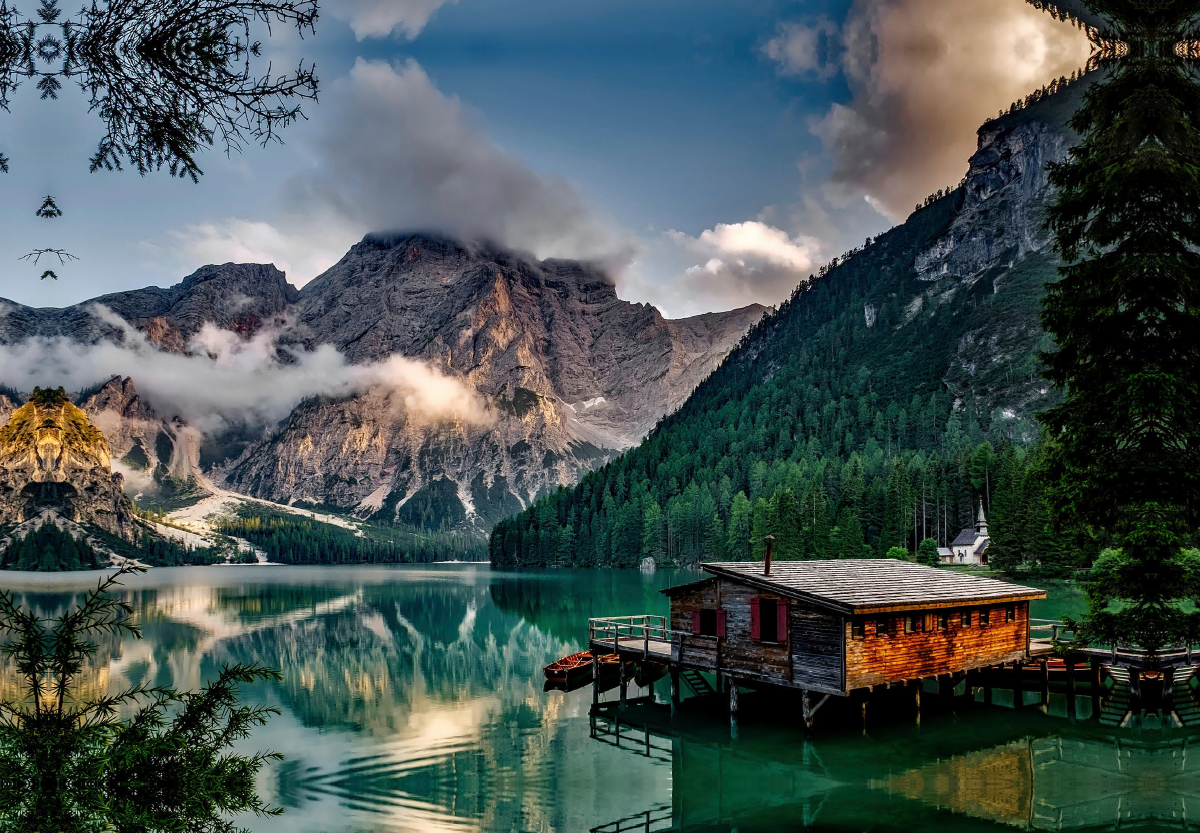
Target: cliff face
(998, 249)
(572, 374)
(242, 297)
(53, 460)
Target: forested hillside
(875, 408)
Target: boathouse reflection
(952, 775)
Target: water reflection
(412, 698)
(977, 770)
(413, 701)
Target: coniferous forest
(291, 539)
(831, 428)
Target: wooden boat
(571, 671)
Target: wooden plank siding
(699, 651)
(874, 659)
(741, 655)
(819, 606)
(818, 647)
(808, 655)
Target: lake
(413, 701)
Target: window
(768, 620)
(709, 622)
(942, 621)
(910, 624)
(965, 618)
(984, 617)
(858, 629)
(1010, 613)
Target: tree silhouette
(49, 209)
(76, 764)
(1123, 462)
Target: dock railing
(1055, 632)
(623, 632)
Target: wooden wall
(701, 651)
(808, 656)
(876, 659)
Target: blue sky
(712, 152)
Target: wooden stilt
(733, 707)
(1018, 688)
(806, 705)
(1045, 675)
(1097, 688)
(1071, 688)
(624, 681)
(674, 689)
(865, 697)
(595, 680)
(946, 686)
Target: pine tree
(1124, 451)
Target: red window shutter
(721, 624)
(781, 621)
(696, 622)
(755, 630)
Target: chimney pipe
(769, 539)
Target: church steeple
(981, 521)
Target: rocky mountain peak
(54, 460)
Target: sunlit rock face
(54, 460)
(573, 374)
(570, 375)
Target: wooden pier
(847, 628)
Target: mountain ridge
(572, 373)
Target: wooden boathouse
(828, 628)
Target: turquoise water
(413, 701)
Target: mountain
(570, 375)
(879, 406)
(55, 465)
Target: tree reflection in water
(71, 762)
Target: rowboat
(572, 670)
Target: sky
(711, 153)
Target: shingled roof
(966, 538)
(873, 585)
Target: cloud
(744, 263)
(228, 380)
(801, 49)
(393, 153)
(924, 75)
(380, 18)
(245, 241)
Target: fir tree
(1124, 453)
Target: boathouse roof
(872, 585)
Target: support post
(733, 707)
(1097, 687)
(1045, 672)
(916, 687)
(1070, 661)
(595, 680)
(1018, 688)
(865, 698)
(624, 681)
(674, 689)
(946, 686)
(806, 705)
